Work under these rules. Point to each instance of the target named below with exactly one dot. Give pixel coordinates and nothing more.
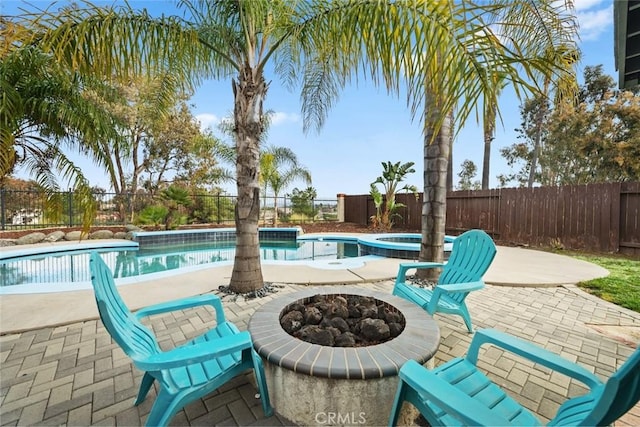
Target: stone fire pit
(312, 384)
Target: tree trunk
(249, 92)
(450, 158)
(489, 126)
(537, 142)
(436, 155)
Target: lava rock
(316, 335)
(395, 329)
(340, 323)
(374, 329)
(312, 316)
(292, 321)
(347, 339)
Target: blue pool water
(68, 267)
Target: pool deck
(512, 267)
(63, 368)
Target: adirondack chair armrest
(453, 401)
(181, 304)
(406, 266)
(196, 353)
(459, 287)
(530, 352)
(453, 288)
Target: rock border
(75, 235)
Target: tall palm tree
(279, 168)
(531, 34)
(323, 45)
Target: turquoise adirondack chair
(471, 256)
(187, 372)
(457, 393)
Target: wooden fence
(595, 217)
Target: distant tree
(466, 175)
(302, 202)
(146, 106)
(595, 140)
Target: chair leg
(258, 370)
(145, 386)
(466, 317)
(163, 409)
(397, 403)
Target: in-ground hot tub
(311, 384)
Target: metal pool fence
(26, 209)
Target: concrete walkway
(73, 374)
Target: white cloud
(588, 4)
(279, 118)
(595, 22)
(207, 120)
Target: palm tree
(44, 111)
(323, 45)
(531, 34)
(489, 128)
(273, 161)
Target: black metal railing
(25, 209)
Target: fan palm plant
(279, 168)
(427, 47)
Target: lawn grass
(621, 286)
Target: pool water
(72, 267)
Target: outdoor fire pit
(312, 384)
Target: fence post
(340, 207)
(70, 207)
(218, 213)
(3, 218)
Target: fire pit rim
(418, 341)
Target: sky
(367, 126)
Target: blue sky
(367, 126)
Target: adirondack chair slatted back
(621, 392)
(471, 256)
(133, 337)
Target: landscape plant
(386, 206)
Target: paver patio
(75, 375)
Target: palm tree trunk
(249, 92)
(489, 126)
(450, 158)
(436, 155)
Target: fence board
(595, 217)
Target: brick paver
(75, 374)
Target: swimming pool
(67, 268)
